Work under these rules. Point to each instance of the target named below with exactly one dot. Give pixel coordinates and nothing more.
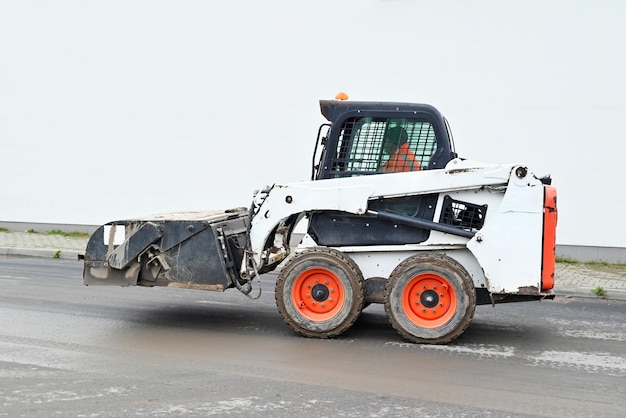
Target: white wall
(122, 108)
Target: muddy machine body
(430, 240)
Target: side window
(377, 145)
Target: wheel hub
(429, 298)
(320, 292)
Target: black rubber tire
(345, 274)
(428, 268)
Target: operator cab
(362, 137)
(369, 138)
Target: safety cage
(366, 144)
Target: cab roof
(333, 110)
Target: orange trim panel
(550, 218)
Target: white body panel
(504, 256)
(508, 246)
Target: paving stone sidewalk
(580, 279)
(37, 244)
(572, 279)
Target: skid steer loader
(430, 236)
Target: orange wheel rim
(429, 300)
(317, 294)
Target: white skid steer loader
(392, 216)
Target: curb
(41, 253)
(586, 293)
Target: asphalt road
(71, 350)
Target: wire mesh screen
(366, 145)
(463, 214)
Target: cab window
(376, 145)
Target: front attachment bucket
(199, 250)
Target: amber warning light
(341, 96)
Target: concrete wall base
(584, 253)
